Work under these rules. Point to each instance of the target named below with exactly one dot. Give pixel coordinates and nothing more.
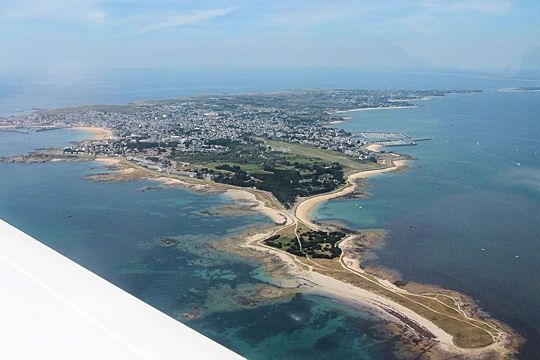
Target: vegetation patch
(252, 163)
(315, 244)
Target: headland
(305, 164)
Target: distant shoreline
(397, 107)
(520, 90)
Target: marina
(388, 138)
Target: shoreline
(396, 107)
(312, 280)
(374, 147)
(304, 209)
(97, 133)
(311, 275)
(322, 284)
(518, 90)
(240, 196)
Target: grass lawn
(307, 153)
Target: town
(244, 140)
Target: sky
(69, 35)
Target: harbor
(388, 138)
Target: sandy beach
(335, 122)
(354, 296)
(242, 196)
(96, 132)
(374, 147)
(313, 280)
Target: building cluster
(152, 131)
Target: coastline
(374, 147)
(317, 277)
(518, 90)
(397, 107)
(242, 196)
(305, 208)
(314, 278)
(97, 133)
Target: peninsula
(277, 152)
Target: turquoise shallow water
(114, 229)
(465, 215)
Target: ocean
(464, 216)
(21, 93)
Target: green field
(286, 170)
(306, 153)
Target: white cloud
(94, 12)
(184, 19)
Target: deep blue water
(466, 214)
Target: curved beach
(96, 132)
(305, 207)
